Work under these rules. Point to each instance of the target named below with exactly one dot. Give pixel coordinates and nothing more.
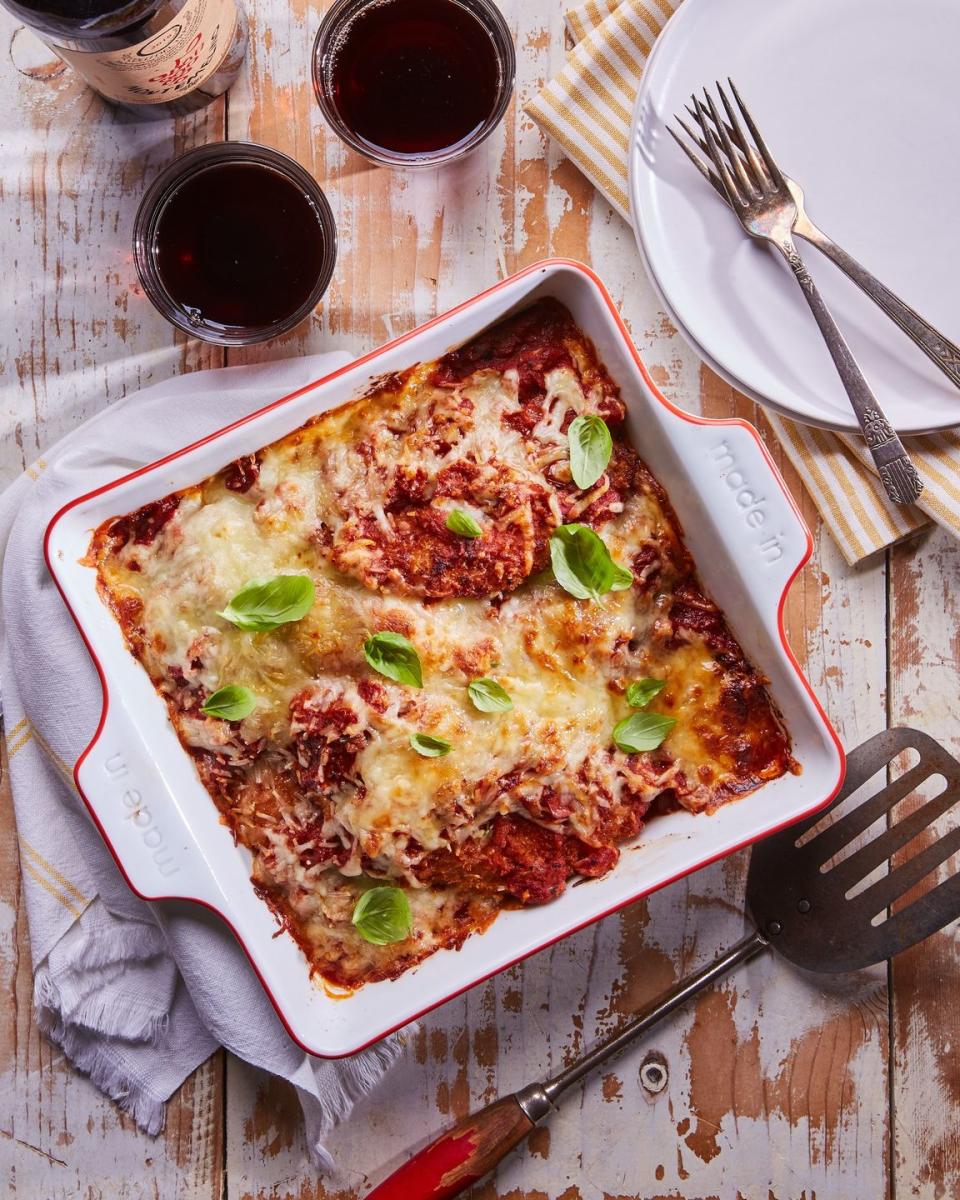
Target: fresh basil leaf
(429, 747)
(642, 731)
(230, 703)
(382, 915)
(582, 564)
(590, 448)
(489, 696)
(265, 604)
(641, 693)
(463, 524)
(622, 578)
(394, 656)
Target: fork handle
(897, 473)
(939, 349)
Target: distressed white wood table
(776, 1087)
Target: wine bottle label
(171, 62)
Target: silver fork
(758, 194)
(939, 349)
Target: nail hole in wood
(653, 1073)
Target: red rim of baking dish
(691, 417)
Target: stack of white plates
(858, 101)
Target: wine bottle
(155, 56)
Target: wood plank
(411, 245)
(924, 657)
(810, 1075)
(79, 335)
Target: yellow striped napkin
(587, 108)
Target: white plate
(857, 100)
(143, 791)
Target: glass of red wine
(411, 83)
(235, 243)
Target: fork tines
(739, 168)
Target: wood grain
(924, 658)
(79, 334)
(776, 1086)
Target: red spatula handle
(459, 1157)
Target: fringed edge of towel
(127, 1022)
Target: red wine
(414, 76)
(239, 244)
(156, 56)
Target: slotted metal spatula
(816, 900)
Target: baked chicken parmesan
(441, 650)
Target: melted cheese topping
(324, 505)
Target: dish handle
(133, 807)
(745, 494)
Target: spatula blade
(821, 914)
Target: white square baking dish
(163, 829)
